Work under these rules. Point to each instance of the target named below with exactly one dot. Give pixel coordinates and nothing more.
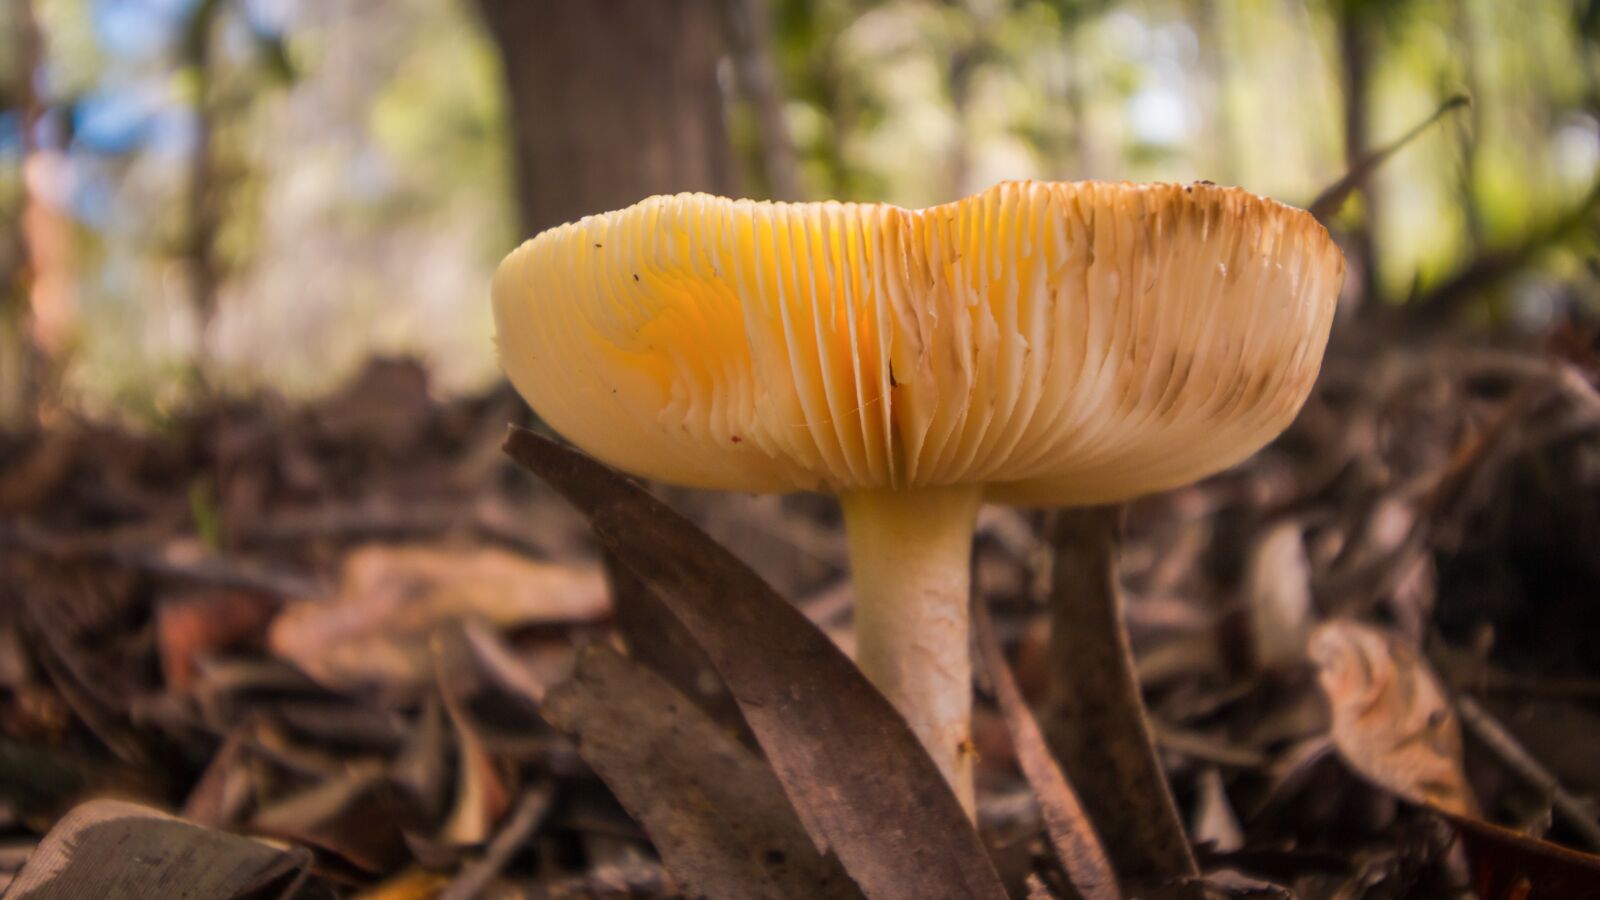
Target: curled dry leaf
(110, 848)
(1392, 721)
(374, 632)
(712, 808)
(421, 767)
(857, 776)
(656, 638)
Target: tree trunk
(205, 217)
(41, 321)
(610, 101)
(1355, 54)
(748, 24)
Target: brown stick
(1072, 836)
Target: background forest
(265, 563)
(273, 190)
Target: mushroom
(1042, 344)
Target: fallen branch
(1494, 266)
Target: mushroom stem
(910, 558)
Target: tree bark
(610, 101)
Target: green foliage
(362, 155)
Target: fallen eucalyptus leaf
(713, 808)
(375, 631)
(855, 773)
(109, 848)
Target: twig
(155, 560)
(828, 605)
(1511, 684)
(1206, 749)
(1333, 196)
(1072, 836)
(1510, 751)
(524, 819)
(391, 521)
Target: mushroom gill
(1057, 342)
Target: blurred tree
(40, 320)
(204, 202)
(749, 33)
(610, 101)
(18, 357)
(1357, 46)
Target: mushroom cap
(1058, 343)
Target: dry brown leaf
(374, 632)
(1222, 885)
(859, 780)
(1037, 890)
(1392, 721)
(109, 848)
(359, 815)
(712, 808)
(655, 638)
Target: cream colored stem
(910, 553)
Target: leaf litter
(1441, 496)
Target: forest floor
(339, 641)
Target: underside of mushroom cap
(1059, 343)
